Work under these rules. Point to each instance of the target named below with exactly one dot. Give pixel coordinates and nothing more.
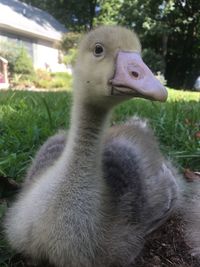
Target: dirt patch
(164, 248)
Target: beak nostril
(135, 74)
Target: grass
(175, 123)
(28, 118)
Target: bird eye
(98, 50)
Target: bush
(20, 65)
(49, 80)
(23, 64)
(42, 84)
(10, 52)
(22, 74)
(68, 45)
(43, 75)
(70, 56)
(58, 83)
(154, 60)
(61, 80)
(161, 78)
(70, 40)
(21, 82)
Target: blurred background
(169, 31)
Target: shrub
(10, 52)
(154, 60)
(70, 40)
(61, 80)
(23, 64)
(20, 65)
(68, 45)
(49, 80)
(161, 78)
(22, 72)
(43, 75)
(42, 84)
(70, 56)
(58, 83)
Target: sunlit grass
(175, 123)
(178, 95)
(28, 118)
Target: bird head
(110, 68)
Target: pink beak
(133, 77)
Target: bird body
(92, 195)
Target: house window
(25, 42)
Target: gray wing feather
(140, 180)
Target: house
(34, 29)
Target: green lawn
(27, 119)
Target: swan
(94, 193)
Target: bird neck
(85, 139)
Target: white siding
(42, 52)
(47, 55)
(16, 39)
